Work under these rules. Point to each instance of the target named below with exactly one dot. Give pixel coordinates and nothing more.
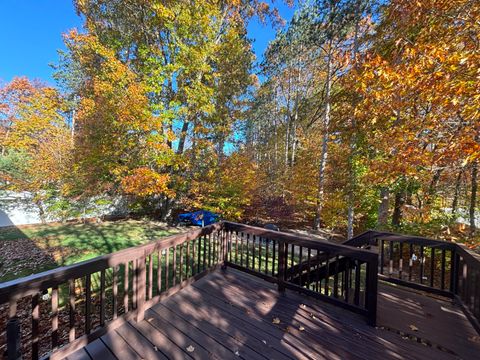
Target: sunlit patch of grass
(70, 243)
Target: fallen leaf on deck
(276, 320)
(413, 328)
(301, 328)
(190, 348)
(474, 339)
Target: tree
(12, 95)
(119, 144)
(416, 87)
(37, 149)
(192, 62)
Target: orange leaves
(117, 132)
(145, 182)
(427, 78)
(35, 130)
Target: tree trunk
(294, 145)
(41, 211)
(352, 176)
(383, 208)
(473, 197)
(350, 216)
(324, 154)
(287, 142)
(72, 130)
(397, 210)
(433, 186)
(183, 136)
(458, 183)
(166, 208)
(220, 152)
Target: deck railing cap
(35, 283)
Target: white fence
(19, 209)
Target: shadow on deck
(282, 296)
(230, 315)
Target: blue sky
(31, 32)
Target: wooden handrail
(370, 237)
(136, 280)
(444, 268)
(300, 240)
(35, 283)
(303, 264)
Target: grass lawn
(34, 249)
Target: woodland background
(363, 114)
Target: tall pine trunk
(473, 197)
(398, 208)
(383, 208)
(324, 151)
(458, 183)
(352, 176)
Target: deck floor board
(216, 328)
(144, 348)
(98, 350)
(80, 354)
(258, 339)
(233, 315)
(341, 329)
(172, 322)
(119, 347)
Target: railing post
(371, 290)
(281, 266)
(453, 272)
(13, 339)
(141, 279)
(224, 242)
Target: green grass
(66, 244)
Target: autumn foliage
(362, 114)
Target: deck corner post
(372, 290)
(141, 275)
(281, 266)
(13, 339)
(454, 272)
(225, 245)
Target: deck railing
(435, 266)
(75, 304)
(78, 303)
(342, 275)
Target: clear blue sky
(31, 32)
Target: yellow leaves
(144, 182)
(413, 328)
(163, 12)
(38, 132)
(171, 135)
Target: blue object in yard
(199, 218)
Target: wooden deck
(231, 315)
